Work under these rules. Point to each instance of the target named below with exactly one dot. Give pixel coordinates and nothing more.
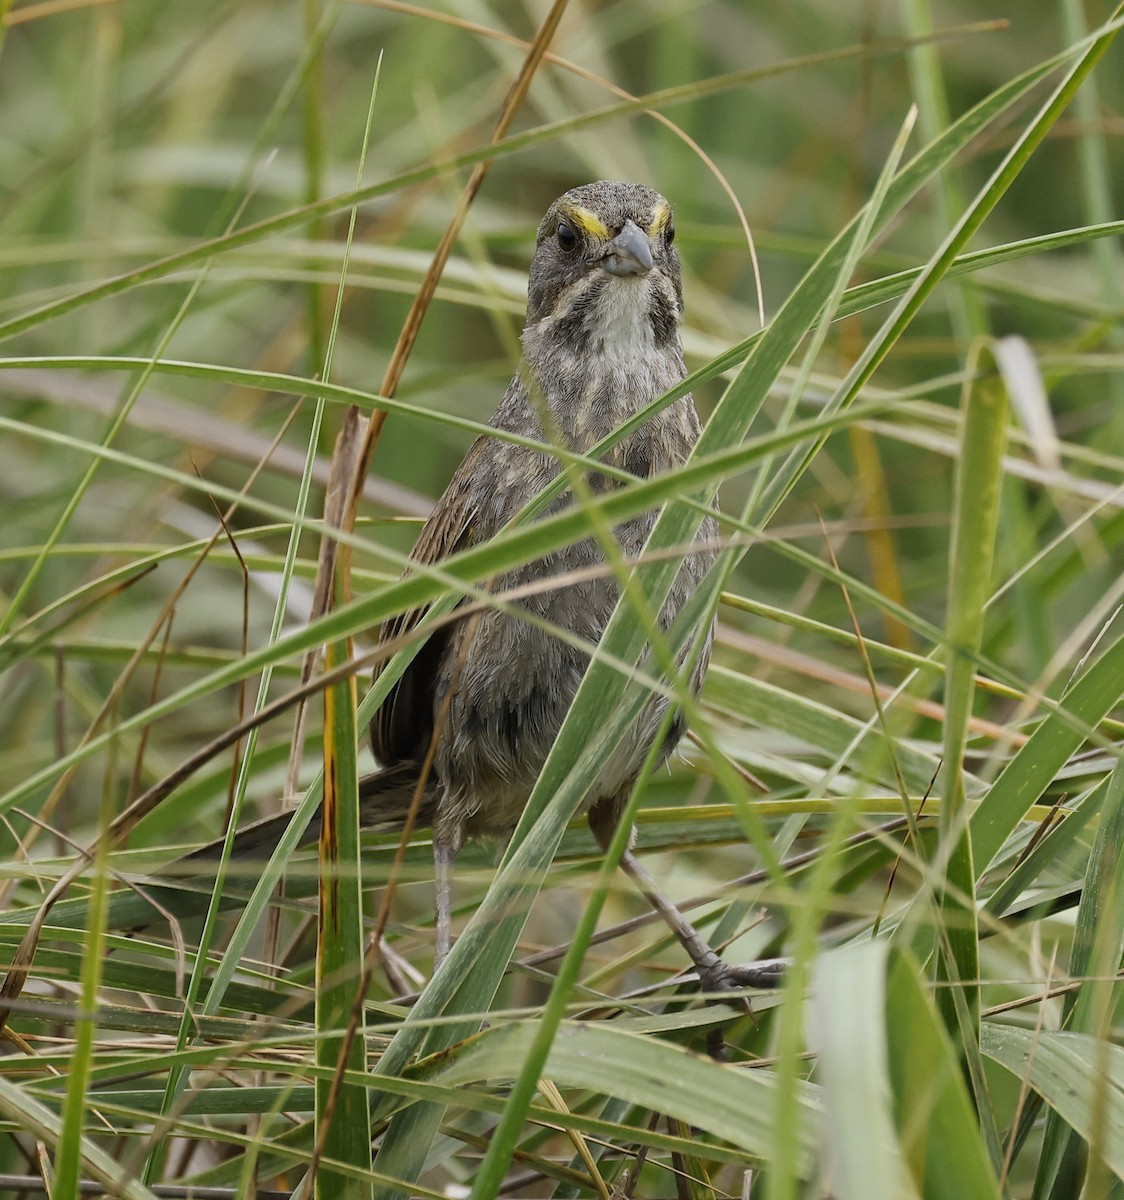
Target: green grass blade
(979, 480)
(1098, 950)
(1024, 780)
(342, 1116)
(1080, 1077)
(71, 1149)
(937, 1123)
(736, 1106)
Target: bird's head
(605, 268)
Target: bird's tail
(385, 799)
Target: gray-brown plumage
(601, 342)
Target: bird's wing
(403, 726)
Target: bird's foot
(765, 973)
(718, 977)
(722, 982)
(725, 985)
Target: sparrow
(474, 715)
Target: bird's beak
(629, 253)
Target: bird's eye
(669, 234)
(567, 237)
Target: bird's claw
(722, 983)
(720, 978)
(765, 973)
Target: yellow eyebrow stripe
(660, 216)
(589, 222)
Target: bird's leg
(446, 843)
(714, 974)
(711, 968)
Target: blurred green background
(134, 132)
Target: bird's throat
(598, 360)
